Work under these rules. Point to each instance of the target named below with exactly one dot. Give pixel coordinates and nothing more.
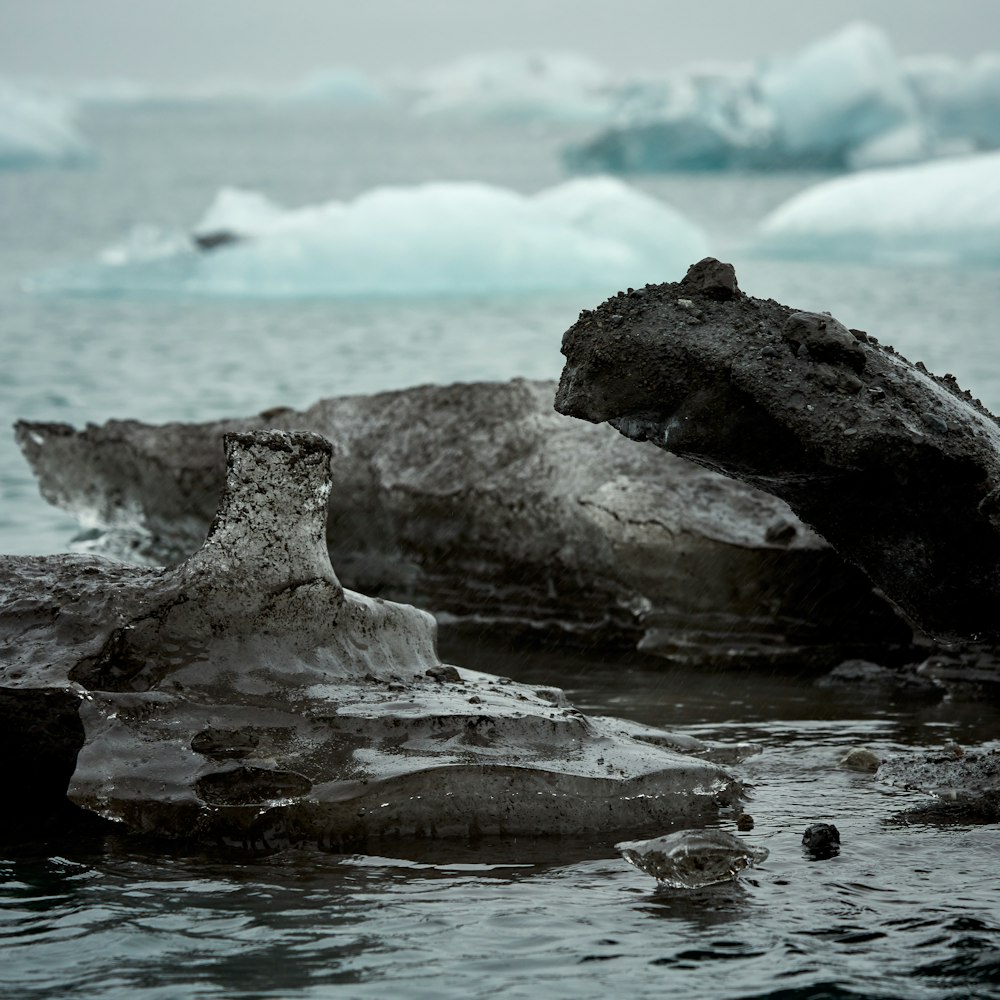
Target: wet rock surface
(481, 504)
(821, 841)
(246, 697)
(895, 467)
(965, 785)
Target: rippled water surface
(906, 910)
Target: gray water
(907, 909)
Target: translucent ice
(947, 211)
(36, 131)
(689, 859)
(432, 239)
(811, 109)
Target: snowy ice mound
(942, 212)
(36, 131)
(517, 86)
(432, 239)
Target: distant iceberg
(37, 131)
(844, 102)
(433, 239)
(517, 86)
(947, 211)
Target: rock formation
(245, 697)
(481, 504)
(895, 467)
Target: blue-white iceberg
(845, 101)
(37, 131)
(432, 239)
(947, 211)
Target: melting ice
(690, 859)
(430, 239)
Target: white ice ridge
(545, 86)
(947, 211)
(431, 239)
(36, 131)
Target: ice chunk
(690, 859)
(37, 131)
(432, 239)
(546, 86)
(947, 211)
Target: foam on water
(431, 239)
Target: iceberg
(37, 131)
(517, 86)
(947, 211)
(455, 238)
(810, 110)
(836, 94)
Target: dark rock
(821, 337)
(245, 697)
(965, 785)
(904, 682)
(481, 504)
(215, 239)
(712, 278)
(907, 504)
(821, 841)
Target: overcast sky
(177, 41)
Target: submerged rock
(481, 504)
(896, 468)
(690, 859)
(245, 697)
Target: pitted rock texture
(896, 468)
(245, 697)
(481, 504)
(965, 784)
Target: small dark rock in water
(744, 823)
(821, 840)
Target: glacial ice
(37, 131)
(844, 101)
(946, 211)
(432, 239)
